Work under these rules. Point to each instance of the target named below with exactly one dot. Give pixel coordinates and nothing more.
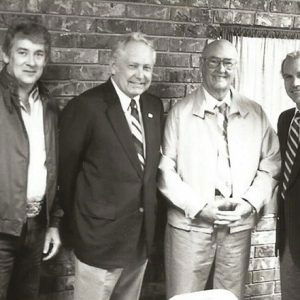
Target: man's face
(26, 61)
(291, 77)
(132, 70)
(219, 68)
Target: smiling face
(132, 68)
(25, 61)
(220, 60)
(291, 77)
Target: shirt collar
(211, 102)
(124, 99)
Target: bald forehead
(220, 48)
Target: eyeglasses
(214, 62)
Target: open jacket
(189, 162)
(14, 157)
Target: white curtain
(259, 75)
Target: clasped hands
(226, 211)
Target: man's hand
(220, 212)
(52, 243)
(242, 207)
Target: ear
(113, 67)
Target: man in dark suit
(288, 227)
(109, 153)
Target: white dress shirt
(37, 172)
(125, 103)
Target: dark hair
(33, 31)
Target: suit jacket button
(141, 209)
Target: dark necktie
(291, 152)
(137, 133)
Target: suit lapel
(119, 123)
(149, 122)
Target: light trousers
(189, 256)
(94, 283)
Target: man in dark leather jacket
(28, 156)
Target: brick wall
(82, 33)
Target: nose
(296, 81)
(139, 73)
(30, 59)
(221, 67)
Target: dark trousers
(20, 261)
(289, 276)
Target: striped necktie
(291, 152)
(137, 133)
(223, 178)
(224, 124)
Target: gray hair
(131, 37)
(291, 55)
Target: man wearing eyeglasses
(220, 158)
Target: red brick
(266, 224)
(11, 5)
(74, 55)
(195, 60)
(264, 275)
(263, 237)
(167, 90)
(282, 6)
(219, 3)
(185, 14)
(256, 5)
(263, 263)
(259, 289)
(199, 3)
(176, 76)
(173, 60)
(56, 72)
(74, 7)
(173, 29)
(115, 26)
(187, 45)
(148, 12)
(274, 20)
(234, 17)
(264, 251)
(161, 44)
(73, 24)
(96, 8)
(277, 287)
(9, 19)
(297, 22)
(92, 73)
(76, 40)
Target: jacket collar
(237, 103)
(10, 90)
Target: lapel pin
(150, 115)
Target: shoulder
(87, 100)
(286, 114)
(186, 104)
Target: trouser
(189, 256)
(20, 261)
(94, 283)
(289, 275)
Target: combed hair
(131, 37)
(291, 55)
(33, 31)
